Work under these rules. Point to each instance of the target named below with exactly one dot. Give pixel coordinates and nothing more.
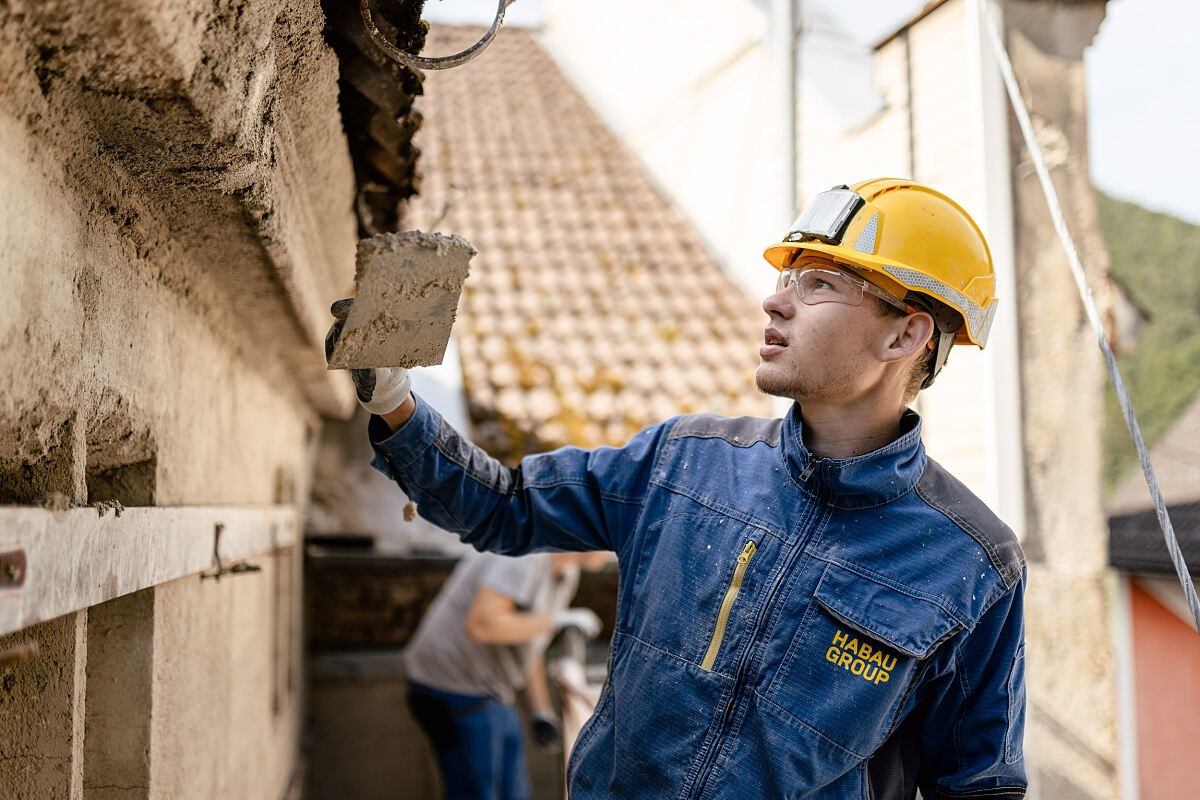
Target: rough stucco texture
(120, 659)
(175, 218)
(226, 700)
(408, 289)
(165, 284)
(37, 698)
(191, 690)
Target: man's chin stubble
(793, 389)
(775, 387)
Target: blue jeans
(478, 743)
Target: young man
(481, 641)
(813, 608)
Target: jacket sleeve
(971, 739)
(568, 499)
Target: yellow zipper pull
(735, 585)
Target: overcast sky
(1144, 96)
(1145, 104)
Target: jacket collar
(860, 481)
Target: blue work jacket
(787, 626)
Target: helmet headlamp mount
(827, 217)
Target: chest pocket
(856, 656)
(695, 580)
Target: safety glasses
(828, 284)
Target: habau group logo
(861, 659)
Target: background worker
(808, 606)
(481, 641)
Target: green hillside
(1157, 258)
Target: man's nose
(781, 303)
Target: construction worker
(481, 641)
(809, 606)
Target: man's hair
(923, 364)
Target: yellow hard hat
(912, 241)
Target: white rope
(1089, 303)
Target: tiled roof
(1135, 539)
(592, 309)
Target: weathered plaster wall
(176, 214)
(109, 366)
(188, 689)
(226, 683)
(166, 276)
(40, 701)
(226, 112)
(1070, 659)
(119, 671)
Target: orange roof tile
(592, 309)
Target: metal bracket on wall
(234, 568)
(421, 62)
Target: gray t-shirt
(442, 656)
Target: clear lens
(815, 285)
(822, 286)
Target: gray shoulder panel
(947, 494)
(739, 431)
(475, 462)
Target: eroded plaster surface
(37, 704)
(167, 275)
(177, 215)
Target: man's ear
(906, 336)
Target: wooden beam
(56, 562)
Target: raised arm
(569, 499)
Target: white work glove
(583, 618)
(379, 390)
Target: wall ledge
(78, 558)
